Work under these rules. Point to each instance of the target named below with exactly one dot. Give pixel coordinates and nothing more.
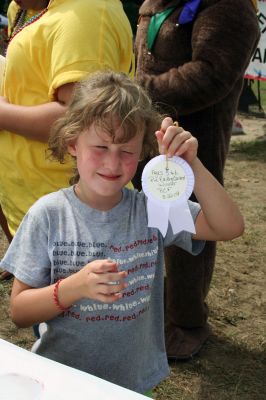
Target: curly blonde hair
(103, 99)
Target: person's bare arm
(34, 122)
(219, 218)
(33, 305)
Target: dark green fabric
(149, 394)
(155, 24)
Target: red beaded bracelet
(56, 299)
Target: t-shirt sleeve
(88, 41)
(184, 239)
(27, 256)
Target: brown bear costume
(194, 70)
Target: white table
(57, 381)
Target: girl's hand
(100, 280)
(175, 141)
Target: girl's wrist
(68, 292)
(56, 299)
(195, 164)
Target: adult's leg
(186, 287)
(187, 284)
(189, 277)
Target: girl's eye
(128, 152)
(101, 147)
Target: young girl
(84, 258)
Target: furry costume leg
(187, 284)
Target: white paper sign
(25, 375)
(21, 387)
(257, 66)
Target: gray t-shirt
(122, 342)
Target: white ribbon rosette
(168, 184)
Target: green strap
(155, 24)
(148, 394)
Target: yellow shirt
(11, 14)
(71, 40)
(2, 68)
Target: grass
(250, 151)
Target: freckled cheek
(94, 159)
(88, 161)
(131, 164)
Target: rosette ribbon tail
(180, 218)
(178, 215)
(158, 216)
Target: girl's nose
(113, 160)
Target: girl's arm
(29, 305)
(34, 122)
(98, 280)
(219, 218)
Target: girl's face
(104, 167)
(32, 4)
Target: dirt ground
(232, 364)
